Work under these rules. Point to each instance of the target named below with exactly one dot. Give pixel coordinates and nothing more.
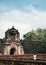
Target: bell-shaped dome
(11, 32)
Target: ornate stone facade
(12, 44)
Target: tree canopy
(36, 35)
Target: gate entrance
(12, 51)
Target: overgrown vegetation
(36, 35)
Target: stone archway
(12, 51)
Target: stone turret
(12, 35)
(13, 44)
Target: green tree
(38, 35)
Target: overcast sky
(25, 15)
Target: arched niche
(12, 51)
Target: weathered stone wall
(34, 47)
(12, 38)
(13, 45)
(30, 47)
(11, 62)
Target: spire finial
(13, 26)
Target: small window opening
(12, 51)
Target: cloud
(15, 18)
(22, 28)
(22, 21)
(37, 17)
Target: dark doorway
(12, 51)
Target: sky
(25, 15)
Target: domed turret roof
(12, 31)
